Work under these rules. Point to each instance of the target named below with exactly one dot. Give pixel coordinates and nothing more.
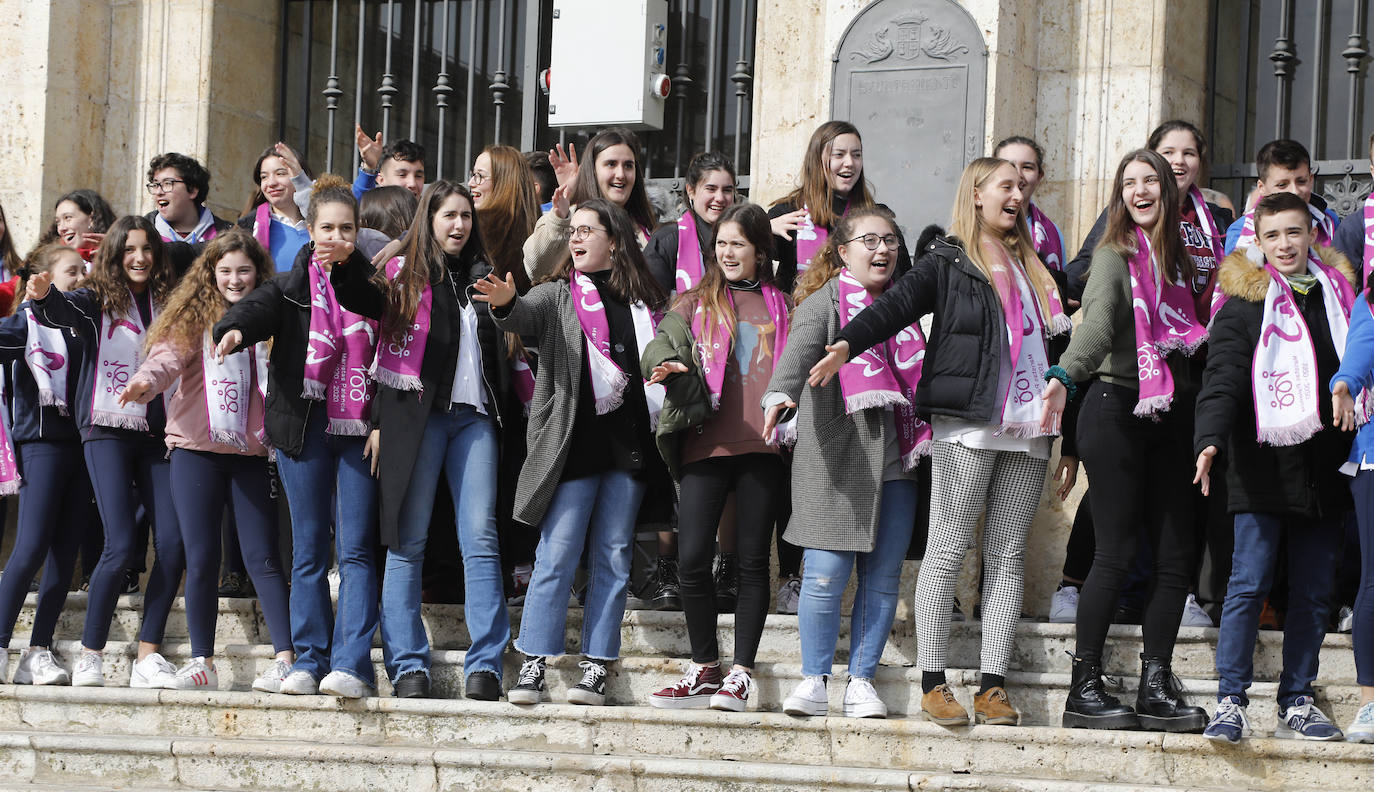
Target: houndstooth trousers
(966, 482)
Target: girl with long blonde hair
(995, 307)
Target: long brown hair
(424, 259)
(827, 263)
(815, 192)
(710, 293)
(196, 304)
(256, 197)
(586, 187)
(509, 212)
(1166, 242)
(108, 282)
(630, 279)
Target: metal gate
(457, 75)
(1292, 69)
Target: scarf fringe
(10, 487)
(1290, 435)
(116, 420)
(1179, 345)
(348, 427)
(1152, 406)
(392, 379)
(611, 401)
(47, 398)
(875, 398)
(314, 391)
(225, 437)
(913, 458)
(1061, 325)
(1026, 430)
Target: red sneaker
(693, 691)
(734, 692)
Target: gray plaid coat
(837, 464)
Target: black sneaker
(727, 582)
(235, 586)
(529, 686)
(661, 589)
(412, 684)
(482, 686)
(592, 689)
(130, 582)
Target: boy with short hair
(400, 163)
(179, 186)
(1273, 346)
(1284, 166)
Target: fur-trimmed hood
(1238, 276)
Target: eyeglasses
(871, 241)
(582, 232)
(164, 186)
(479, 177)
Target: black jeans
(1141, 472)
(760, 484)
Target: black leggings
(760, 481)
(1141, 474)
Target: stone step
(1039, 696)
(1040, 647)
(238, 740)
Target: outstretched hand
(38, 286)
(827, 367)
(137, 391)
(227, 344)
(495, 292)
(661, 371)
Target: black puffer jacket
(968, 338)
(1302, 480)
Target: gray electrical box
(607, 64)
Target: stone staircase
(233, 739)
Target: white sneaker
(296, 683)
(1194, 615)
(196, 675)
(1362, 728)
(1345, 622)
(39, 667)
(90, 670)
(861, 700)
(335, 580)
(808, 698)
(789, 594)
(4, 664)
(342, 684)
(153, 671)
(1064, 605)
(270, 681)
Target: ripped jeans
(826, 574)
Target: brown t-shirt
(737, 426)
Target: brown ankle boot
(993, 708)
(940, 707)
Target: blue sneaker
(1362, 728)
(1303, 721)
(1230, 723)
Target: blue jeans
(330, 477)
(597, 511)
(1312, 551)
(461, 443)
(826, 574)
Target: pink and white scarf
(522, 379)
(1049, 243)
(262, 225)
(885, 374)
(230, 387)
(9, 463)
(1165, 320)
(1026, 333)
(338, 353)
(1368, 241)
(1326, 230)
(690, 265)
(45, 352)
(811, 238)
(716, 358)
(397, 365)
(1284, 378)
(608, 381)
(119, 352)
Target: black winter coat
(1303, 480)
(968, 338)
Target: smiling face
(480, 180)
(1285, 238)
(1022, 157)
(872, 268)
(402, 173)
(235, 275)
(1140, 191)
(844, 163)
(71, 223)
(1179, 149)
(452, 224)
(334, 222)
(1278, 179)
(590, 242)
(138, 260)
(67, 270)
(712, 195)
(615, 173)
(177, 205)
(999, 199)
(274, 179)
(735, 254)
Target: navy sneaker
(1230, 723)
(1303, 721)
